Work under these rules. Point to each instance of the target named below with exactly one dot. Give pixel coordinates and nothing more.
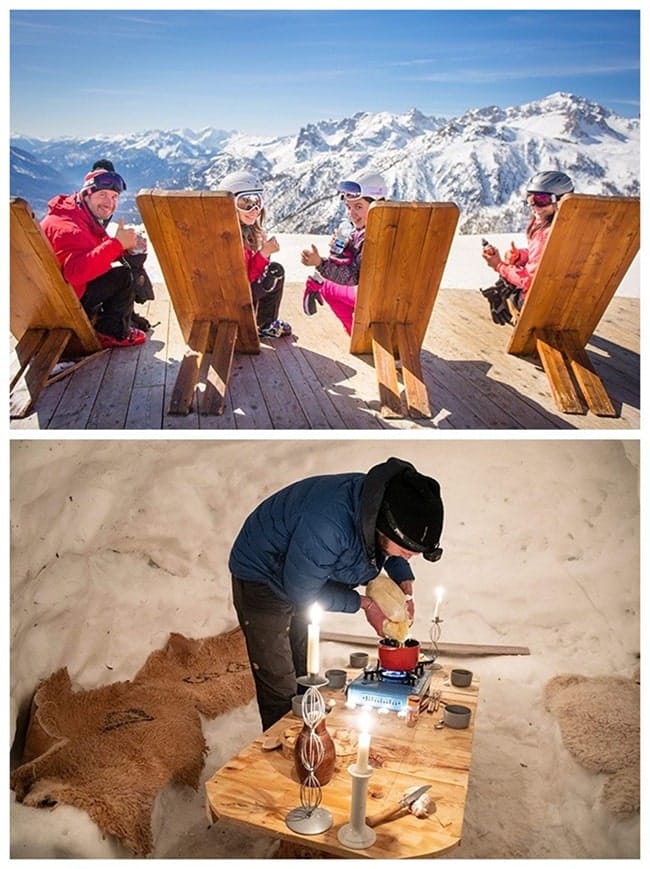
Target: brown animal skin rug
(110, 750)
(599, 720)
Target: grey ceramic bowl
(457, 716)
(335, 678)
(296, 704)
(461, 678)
(359, 659)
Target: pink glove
(374, 615)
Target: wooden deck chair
(404, 255)
(197, 239)
(591, 245)
(46, 317)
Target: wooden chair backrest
(592, 243)
(404, 255)
(197, 239)
(39, 296)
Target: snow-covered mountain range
(480, 160)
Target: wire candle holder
(309, 818)
(434, 635)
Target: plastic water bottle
(343, 232)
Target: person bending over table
(316, 541)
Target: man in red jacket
(75, 226)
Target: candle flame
(364, 722)
(439, 593)
(315, 614)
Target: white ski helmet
(241, 182)
(368, 185)
(550, 182)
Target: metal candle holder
(357, 834)
(312, 680)
(434, 635)
(309, 818)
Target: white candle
(363, 750)
(439, 594)
(313, 638)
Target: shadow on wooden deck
(311, 381)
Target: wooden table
(259, 788)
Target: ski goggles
(350, 191)
(541, 200)
(249, 202)
(104, 181)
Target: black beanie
(411, 513)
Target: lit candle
(439, 593)
(363, 750)
(313, 636)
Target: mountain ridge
(481, 160)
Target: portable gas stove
(387, 689)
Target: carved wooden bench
(197, 240)
(46, 317)
(592, 243)
(404, 255)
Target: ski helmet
(241, 182)
(368, 185)
(550, 182)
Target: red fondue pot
(402, 657)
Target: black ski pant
(267, 294)
(276, 640)
(111, 297)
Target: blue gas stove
(387, 689)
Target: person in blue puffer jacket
(315, 541)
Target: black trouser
(276, 640)
(111, 296)
(267, 294)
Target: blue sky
(269, 72)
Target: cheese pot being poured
(398, 656)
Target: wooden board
(257, 789)
(443, 648)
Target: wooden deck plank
(281, 402)
(310, 380)
(111, 412)
(245, 403)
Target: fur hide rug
(110, 750)
(599, 721)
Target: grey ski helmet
(550, 182)
(241, 182)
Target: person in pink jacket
(518, 265)
(266, 277)
(337, 275)
(75, 225)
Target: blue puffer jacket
(314, 541)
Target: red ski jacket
(82, 246)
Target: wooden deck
(311, 381)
